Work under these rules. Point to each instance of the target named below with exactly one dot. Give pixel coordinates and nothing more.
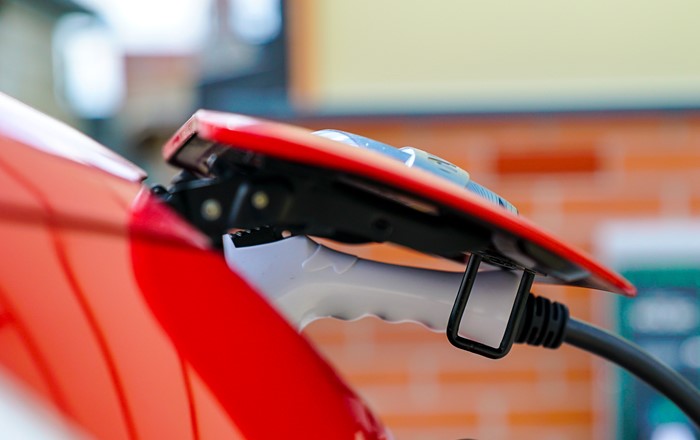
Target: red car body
(113, 309)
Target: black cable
(548, 324)
(638, 362)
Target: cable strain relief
(543, 323)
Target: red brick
(663, 161)
(521, 418)
(606, 206)
(549, 162)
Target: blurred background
(584, 115)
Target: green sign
(664, 320)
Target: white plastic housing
(308, 281)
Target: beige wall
(461, 54)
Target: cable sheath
(638, 362)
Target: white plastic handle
(308, 281)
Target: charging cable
(548, 324)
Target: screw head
(211, 210)
(260, 200)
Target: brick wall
(569, 174)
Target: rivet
(211, 210)
(260, 200)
